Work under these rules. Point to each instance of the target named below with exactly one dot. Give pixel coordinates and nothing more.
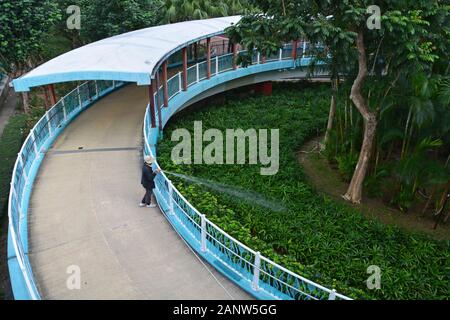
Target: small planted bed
(313, 235)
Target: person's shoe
(151, 205)
(141, 204)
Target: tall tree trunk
(25, 102)
(354, 191)
(332, 111)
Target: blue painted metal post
(256, 266)
(171, 211)
(34, 143)
(203, 226)
(332, 295)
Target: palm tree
(183, 10)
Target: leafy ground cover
(317, 237)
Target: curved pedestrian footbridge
(75, 228)
(84, 213)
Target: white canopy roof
(130, 56)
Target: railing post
(96, 89)
(198, 72)
(258, 57)
(171, 210)
(34, 143)
(332, 295)
(79, 97)
(257, 265)
(64, 109)
(203, 225)
(217, 65)
(280, 55)
(180, 84)
(304, 48)
(113, 84)
(13, 192)
(23, 167)
(48, 123)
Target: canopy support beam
(208, 58)
(185, 63)
(152, 104)
(164, 80)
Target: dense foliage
(23, 24)
(315, 237)
(412, 36)
(183, 10)
(410, 167)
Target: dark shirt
(148, 177)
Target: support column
(47, 98)
(158, 101)
(294, 49)
(53, 98)
(185, 62)
(196, 52)
(208, 58)
(234, 56)
(152, 104)
(264, 88)
(164, 80)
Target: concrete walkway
(84, 212)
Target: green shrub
(316, 237)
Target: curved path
(83, 212)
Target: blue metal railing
(25, 169)
(253, 272)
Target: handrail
(285, 284)
(24, 172)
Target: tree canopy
(413, 36)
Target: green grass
(11, 141)
(316, 237)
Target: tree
(24, 23)
(184, 10)
(105, 18)
(404, 41)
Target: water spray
(245, 195)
